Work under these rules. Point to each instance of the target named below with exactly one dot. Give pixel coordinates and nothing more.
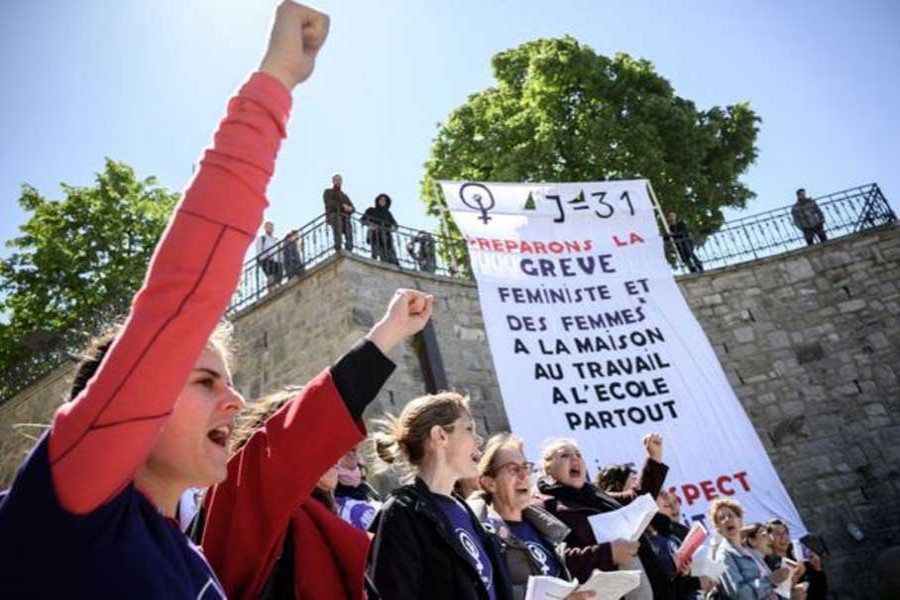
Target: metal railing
(302, 249)
(773, 232)
(747, 239)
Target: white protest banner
(592, 339)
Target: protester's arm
(279, 466)
(795, 217)
(98, 441)
(686, 584)
(582, 561)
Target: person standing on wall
(267, 255)
(381, 224)
(292, 255)
(338, 209)
(681, 237)
(808, 218)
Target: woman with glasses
(532, 538)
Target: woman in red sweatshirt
(90, 512)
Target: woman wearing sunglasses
(532, 538)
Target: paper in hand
(703, 565)
(610, 585)
(692, 541)
(542, 587)
(784, 588)
(626, 523)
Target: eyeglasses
(517, 469)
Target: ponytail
(405, 437)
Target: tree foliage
(77, 257)
(562, 112)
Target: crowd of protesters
(155, 427)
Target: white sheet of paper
(627, 523)
(548, 588)
(784, 588)
(611, 585)
(704, 566)
(607, 585)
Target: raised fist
(297, 36)
(407, 314)
(653, 444)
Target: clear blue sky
(146, 82)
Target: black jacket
(415, 554)
(573, 507)
(379, 217)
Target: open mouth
(476, 456)
(523, 491)
(219, 436)
(575, 472)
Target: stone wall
(24, 417)
(810, 341)
(304, 326)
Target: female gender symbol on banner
(475, 198)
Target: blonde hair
(719, 503)
(406, 436)
(549, 448)
(255, 415)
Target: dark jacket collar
(361, 492)
(588, 497)
(422, 500)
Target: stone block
(807, 353)
(744, 334)
(851, 305)
(875, 409)
(712, 299)
(797, 269)
(362, 317)
(778, 339)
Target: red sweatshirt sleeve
(269, 478)
(99, 440)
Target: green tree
(77, 258)
(562, 112)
